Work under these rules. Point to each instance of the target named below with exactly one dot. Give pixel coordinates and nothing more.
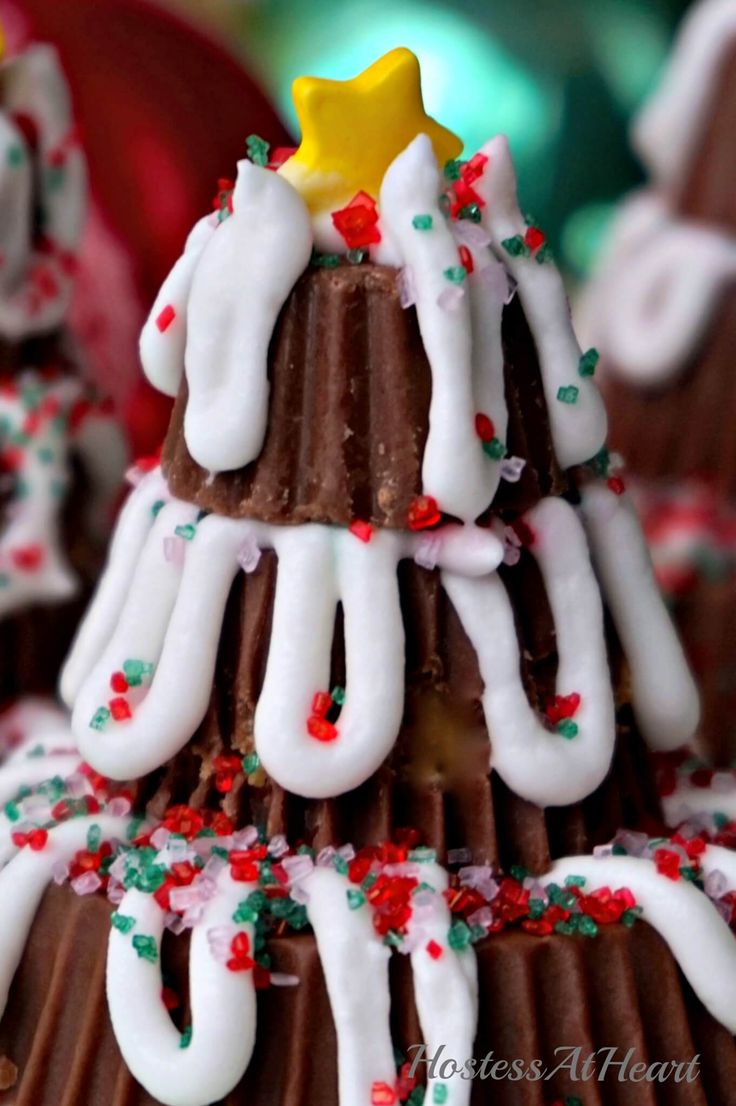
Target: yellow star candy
(353, 130)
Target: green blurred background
(561, 78)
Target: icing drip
(659, 282)
(535, 762)
(163, 350)
(227, 292)
(664, 693)
(172, 619)
(223, 1003)
(455, 469)
(698, 937)
(131, 532)
(667, 131)
(355, 965)
(579, 428)
(25, 878)
(453, 1020)
(37, 283)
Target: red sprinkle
(321, 703)
(434, 950)
(166, 318)
(362, 530)
(120, 709)
(321, 729)
(466, 258)
(423, 512)
(668, 863)
(616, 484)
(534, 238)
(118, 682)
(357, 223)
(28, 558)
(383, 1095)
(484, 427)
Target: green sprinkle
(568, 394)
(38, 751)
(355, 898)
(251, 763)
(394, 939)
(565, 928)
(453, 168)
(495, 449)
(135, 671)
(341, 865)
(257, 148)
(338, 695)
(423, 855)
(416, 1098)
(544, 253)
(356, 257)
(629, 917)
(45, 455)
(575, 881)
(100, 718)
(601, 462)
(440, 1094)
(518, 873)
(618, 850)
(158, 506)
(220, 852)
(186, 1038)
(456, 274)
(325, 260)
(720, 819)
(588, 362)
(537, 908)
(516, 246)
(587, 926)
(422, 222)
(567, 728)
(459, 936)
(15, 156)
(187, 531)
(94, 838)
(134, 828)
(146, 948)
(123, 922)
(572, 1100)
(471, 212)
(12, 813)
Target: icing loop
(223, 1003)
(542, 766)
(664, 693)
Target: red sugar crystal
(321, 703)
(362, 530)
(357, 223)
(321, 729)
(534, 238)
(120, 709)
(118, 682)
(434, 950)
(423, 512)
(166, 318)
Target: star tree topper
(353, 130)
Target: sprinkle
(100, 718)
(456, 274)
(186, 1038)
(94, 838)
(356, 257)
(158, 507)
(174, 550)
(146, 948)
(249, 555)
(458, 937)
(422, 222)
(452, 169)
(427, 552)
(338, 695)
(406, 288)
(516, 246)
(321, 729)
(466, 259)
(165, 318)
(325, 260)
(383, 1095)
(450, 298)
(495, 449)
(282, 979)
(187, 531)
(440, 1094)
(357, 222)
(363, 531)
(568, 394)
(588, 362)
(119, 683)
(434, 950)
(512, 468)
(321, 703)
(567, 729)
(123, 922)
(423, 512)
(86, 884)
(257, 148)
(534, 238)
(484, 427)
(616, 485)
(251, 763)
(136, 671)
(355, 898)
(120, 709)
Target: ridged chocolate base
(620, 990)
(348, 412)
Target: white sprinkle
(174, 549)
(249, 555)
(512, 468)
(406, 287)
(451, 297)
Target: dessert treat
(355, 734)
(61, 453)
(662, 311)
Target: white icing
(535, 762)
(25, 878)
(578, 429)
(667, 131)
(223, 1004)
(355, 965)
(445, 990)
(131, 532)
(162, 351)
(665, 697)
(698, 937)
(658, 284)
(455, 470)
(34, 85)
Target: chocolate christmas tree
(351, 650)
(61, 453)
(661, 310)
